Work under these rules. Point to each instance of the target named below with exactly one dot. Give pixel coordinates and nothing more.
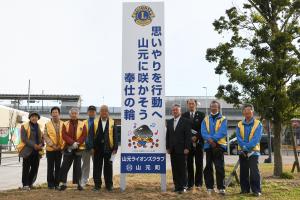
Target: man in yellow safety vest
(248, 133)
(105, 148)
(214, 133)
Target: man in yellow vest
(92, 125)
(30, 149)
(54, 143)
(248, 134)
(105, 148)
(214, 133)
(74, 134)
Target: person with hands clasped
(74, 134)
(248, 133)
(214, 133)
(54, 144)
(30, 149)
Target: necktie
(175, 123)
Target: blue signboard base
(143, 163)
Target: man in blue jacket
(248, 133)
(91, 125)
(214, 133)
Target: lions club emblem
(143, 15)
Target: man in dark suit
(178, 142)
(196, 152)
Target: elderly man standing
(92, 125)
(178, 143)
(105, 146)
(30, 149)
(196, 152)
(73, 133)
(248, 134)
(53, 138)
(214, 133)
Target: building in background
(42, 103)
(10, 123)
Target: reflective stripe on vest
(242, 133)
(222, 141)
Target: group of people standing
(71, 142)
(190, 134)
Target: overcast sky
(75, 47)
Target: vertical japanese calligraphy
(143, 89)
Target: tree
(260, 56)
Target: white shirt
(192, 114)
(176, 122)
(103, 124)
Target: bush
(286, 175)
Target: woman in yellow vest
(54, 144)
(248, 133)
(30, 149)
(105, 146)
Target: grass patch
(145, 186)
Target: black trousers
(68, 159)
(99, 159)
(53, 167)
(195, 154)
(30, 169)
(178, 163)
(214, 157)
(74, 180)
(249, 174)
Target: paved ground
(11, 169)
